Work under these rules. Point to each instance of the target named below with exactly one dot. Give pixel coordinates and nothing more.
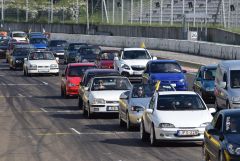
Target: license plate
(112, 108)
(96, 109)
(187, 132)
(59, 53)
(173, 84)
(137, 73)
(43, 71)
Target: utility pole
(161, 11)
(122, 11)
(87, 18)
(131, 11)
(2, 12)
(113, 12)
(171, 12)
(224, 15)
(77, 16)
(150, 13)
(141, 11)
(194, 13)
(51, 11)
(27, 10)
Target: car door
(86, 93)
(197, 85)
(64, 78)
(223, 95)
(124, 105)
(214, 143)
(148, 117)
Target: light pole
(51, 11)
(26, 10)
(87, 17)
(2, 12)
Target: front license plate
(43, 71)
(112, 108)
(138, 73)
(187, 132)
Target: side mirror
(212, 110)
(116, 58)
(154, 58)
(149, 111)
(25, 59)
(223, 84)
(213, 132)
(86, 88)
(184, 71)
(63, 74)
(123, 96)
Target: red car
(72, 76)
(105, 59)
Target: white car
(41, 62)
(131, 62)
(102, 94)
(175, 116)
(19, 36)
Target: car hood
(143, 102)
(141, 62)
(184, 118)
(109, 95)
(43, 62)
(74, 80)
(167, 76)
(233, 139)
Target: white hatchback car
(40, 62)
(102, 94)
(175, 116)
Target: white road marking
(75, 131)
(11, 84)
(43, 110)
(45, 83)
(67, 111)
(18, 96)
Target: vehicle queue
(145, 92)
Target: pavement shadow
(51, 97)
(67, 116)
(62, 108)
(110, 127)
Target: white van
(227, 84)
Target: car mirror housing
(154, 58)
(123, 96)
(86, 88)
(223, 84)
(212, 110)
(149, 111)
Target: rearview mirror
(149, 111)
(212, 110)
(213, 132)
(223, 84)
(86, 88)
(123, 96)
(154, 58)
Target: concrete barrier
(213, 50)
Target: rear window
(76, 71)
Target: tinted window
(165, 68)
(87, 51)
(235, 78)
(179, 102)
(232, 124)
(108, 55)
(136, 54)
(38, 41)
(75, 47)
(209, 74)
(76, 71)
(19, 35)
(41, 56)
(91, 75)
(21, 52)
(142, 91)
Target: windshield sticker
(228, 123)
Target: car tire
(216, 106)
(89, 115)
(143, 135)
(80, 103)
(24, 72)
(153, 140)
(121, 122)
(65, 94)
(62, 93)
(228, 105)
(128, 123)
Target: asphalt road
(38, 125)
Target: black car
(3, 48)
(71, 52)
(204, 82)
(90, 73)
(222, 137)
(57, 47)
(87, 54)
(17, 56)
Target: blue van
(167, 71)
(39, 42)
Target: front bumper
(47, 71)
(72, 91)
(170, 134)
(208, 95)
(104, 108)
(135, 117)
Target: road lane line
(75, 131)
(43, 110)
(23, 84)
(32, 111)
(45, 83)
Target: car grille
(43, 66)
(138, 68)
(114, 102)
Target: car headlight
(166, 125)
(18, 61)
(182, 81)
(53, 66)
(71, 84)
(98, 101)
(236, 99)
(233, 149)
(33, 66)
(125, 66)
(205, 124)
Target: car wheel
(121, 123)
(57, 74)
(216, 106)
(24, 72)
(153, 140)
(221, 156)
(62, 93)
(65, 94)
(144, 136)
(228, 105)
(80, 103)
(129, 127)
(88, 112)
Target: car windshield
(41, 56)
(209, 74)
(166, 67)
(76, 71)
(57, 43)
(111, 83)
(87, 51)
(75, 47)
(136, 54)
(108, 55)
(235, 78)
(142, 91)
(19, 34)
(38, 41)
(21, 52)
(91, 75)
(232, 124)
(179, 103)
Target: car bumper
(135, 117)
(104, 108)
(235, 104)
(48, 71)
(72, 91)
(208, 95)
(230, 157)
(169, 134)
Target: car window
(165, 67)
(136, 54)
(19, 35)
(58, 43)
(179, 102)
(235, 78)
(232, 124)
(218, 124)
(76, 71)
(142, 91)
(38, 41)
(209, 74)
(108, 55)
(41, 56)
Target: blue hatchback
(167, 71)
(39, 42)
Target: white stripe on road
(75, 131)
(43, 110)
(11, 84)
(45, 83)
(99, 133)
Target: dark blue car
(167, 71)
(204, 82)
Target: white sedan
(175, 116)
(102, 94)
(40, 62)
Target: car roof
(177, 93)
(112, 76)
(58, 40)
(230, 112)
(18, 32)
(77, 44)
(231, 64)
(162, 61)
(130, 49)
(96, 71)
(81, 64)
(210, 66)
